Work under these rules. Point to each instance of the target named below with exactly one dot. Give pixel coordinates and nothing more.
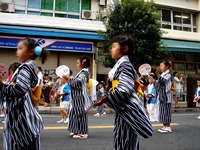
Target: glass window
(194, 19)
(186, 18)
(177, 17)
(166, 26)
(191, 67)
(178, 67)
(194, 29)
(73, 16)
(34, 4)
(46, 14)
(73, 6)
(178, 28)
(19, 11)
(166, 15)
(61, 15)
(187, 29)
(33, 13)
(61, 5)
(86, 5)
(47, 4)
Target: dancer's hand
(101, 101)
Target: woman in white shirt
(177, 92)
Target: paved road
(185, 136)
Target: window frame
(182, 25)
(53, 11)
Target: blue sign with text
(51, 44)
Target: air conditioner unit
(102, 2)
(7, 7)
(88, 14)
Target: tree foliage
(141, 20)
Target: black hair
(39, 68)
(153, 75)
(50, 78)
(102, 83)
(167, 63)
(14, 66)
(174, 73)
(70, 72)
(85, 61)
(125, 40)
(31, 44)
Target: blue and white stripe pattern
(80, 101)
(165, 97)
(131, 121)
(23, 122)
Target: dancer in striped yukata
(80, 101)
(165, 96)
(23, 123)
(131, 121)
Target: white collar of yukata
(113, 70)
(84, 69)
(26, 62)
(164, 73)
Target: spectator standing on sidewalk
(177, 91)
(100, 93)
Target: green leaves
(141, 20)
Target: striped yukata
(22, 123)
(80, 102)
(165, 97)
(131, 121)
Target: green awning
(181, 46)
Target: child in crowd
(40, 76)
(131, 121)
(100, 92)
(197, 95)
(12, 69)
(165, 96)
(64, 95)
(23, 123)
(150, 94)
(80, 101)
(47, 87)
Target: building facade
(67, 28)
(181, 31)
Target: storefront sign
(51, 44)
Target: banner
(51, 44)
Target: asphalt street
(185, 136)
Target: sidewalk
(56, 110)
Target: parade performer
(23, 123)
(165, 96)
(131, 121)
(80, 101)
